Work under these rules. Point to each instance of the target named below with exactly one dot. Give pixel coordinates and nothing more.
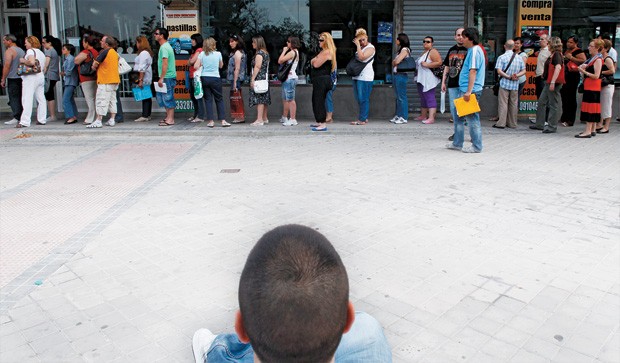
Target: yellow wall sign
(533, 12)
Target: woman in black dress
(322, 66)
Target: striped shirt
(516, 66)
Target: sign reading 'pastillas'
(181, 24)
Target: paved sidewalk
(117, 244)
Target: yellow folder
(464, 108)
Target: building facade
(497, 20)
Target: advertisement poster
(534, 19)
(181, 24)
(384, 33)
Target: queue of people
(33, 74)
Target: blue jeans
(365, 342)
(361, 92)
(473, 121)
(329, 100)
(453, 94)
(68, 102)
(400, 88)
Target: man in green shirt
(167, 76)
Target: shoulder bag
(86, 67)
(262, 85)
(356, 66)
(285, 69)
(406, 65)
(123, 66)
(25, 70)
(572, 66)
(496, 85)
(607, 79)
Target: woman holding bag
(289, 56)
(236, 74)
(322, 67)
(400, 80)
(199, 105)
(88, 82)
(33, 84)
(427, 81)
(591, 102)
(362, 84)
(142, 65)
(260, 71)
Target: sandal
(196, 120)
(71, 121)
(359, 123)
(235, 121)
(565, 124)
(257, 123)
(165, 123)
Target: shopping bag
(442, 103)
(464, 108)
(236, 104)
(197, 87)
(142, 93)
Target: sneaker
(111, 122)
(400, 120)
(201, 342)
(470, 149)
(14, 121)
(142, 119)
(394, 119)
(451, 146)
(95, 124)
(283, 119)
(451, 138)
(290, 122)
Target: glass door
(19, 25)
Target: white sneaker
(451, 146)
(95, 124)
(201, 342)
(470, 149)
(290, 122)
(283, 119)
(142, 119)
(12, 122)
(393, 119)
(111, 122)
(400, 120)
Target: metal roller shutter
(438, 19)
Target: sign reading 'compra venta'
(534, 20)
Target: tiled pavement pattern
(510, 255)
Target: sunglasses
(156, 33)
(321, 40)
(426, 41)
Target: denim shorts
(166, 100)
(288, 89)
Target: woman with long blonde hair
(142, 65)
(211, 61)
(322, 66)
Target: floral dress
(260, 98)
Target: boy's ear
(350, 317)
(240, 329)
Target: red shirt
(88, 53)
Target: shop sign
(181, 24)
(534, 20)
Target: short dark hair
(574, 38)
(517, 39)
(90, 40)
(70, 48)
(472, 34)
(163, 31)
(293, 296)
(605, 36)
(431, 38)
(403, 39)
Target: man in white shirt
(543, 54)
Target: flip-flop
(359, 123)
(165, 123)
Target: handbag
(285, 69)
(25, 70)
(356, 66)
(197, 86)
(236, 105)
(437, 72)
(123, 66)
(607, 80)
(572, 66)
(142, 93)
(86, 67)
(262, 85)
(406, 65)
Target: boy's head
(293, 297)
